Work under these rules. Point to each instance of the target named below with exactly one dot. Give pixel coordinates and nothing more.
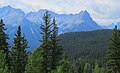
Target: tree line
(87, 46)
(50, 57)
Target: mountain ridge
(30, 23)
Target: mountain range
(30, 23)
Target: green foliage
(97, 69)
(56, 50)
(86, 46)
(87, 68)
(3, 66)
(3, 42)
(64, 67)
(46, 32)
(24, 53)
(102, 70)
(34, 62)
(83, 48)
(19, 54)
(48, 56)
(3, 37)
(113, 53)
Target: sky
(104, 12)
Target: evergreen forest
(74, 52)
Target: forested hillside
(75, 52)
(87, 46)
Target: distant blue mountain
(67, 23)
(113, 25)
(30, 23)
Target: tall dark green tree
(56, 50)
(34, 64)
(49, 54)
(24, 53)
(4, 46)
(3, 65)
(46, 32)
(113, 53)
(64, 66)
(19, 54)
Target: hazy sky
(102, 11)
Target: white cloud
(102, 11)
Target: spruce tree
(87, 68)
(3, 66)
(78, 65)
(49, 54)
(34, 64)
(24, 53)
(3, 43)
(56, 50)
(46, 32)
(19, 53)
(113, 53)
(96, 69)
(102, 70)
(64, 66)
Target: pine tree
(3, 66)
(3, 43)
(24, 53)
(19, 53)
(56, 50)
(34, 64)
(96, 69)
(87, 68)
(113, 53)
(49, 54)
(64, 67)
(46, 32)
(102, 70)
(79, 66)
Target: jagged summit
(85, 15)
(7, 7)
(30, 22)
